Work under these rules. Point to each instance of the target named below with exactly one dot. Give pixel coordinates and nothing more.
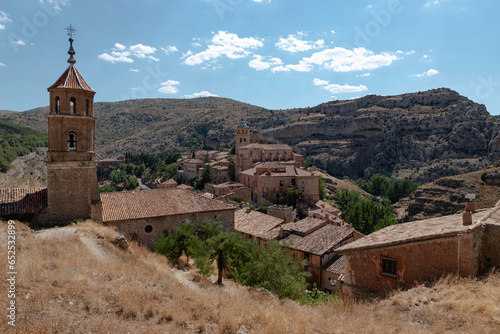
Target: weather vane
(71, 31)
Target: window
(281, 183)
(328, 291)
(72, 106)
(388, 266)
(293, 182)
(71, 141)
(87, 108)
(306, 256)
(148, 229)
(57, 105)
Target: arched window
(57, 105)
(87, 108)
(72, 106)
(71, 141)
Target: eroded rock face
(421, 136)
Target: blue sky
(275, 54)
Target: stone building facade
(148, 214)
(400, 255)
(268, 181)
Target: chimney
(470, 208)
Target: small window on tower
(72, 106)
(71, 141)
(57, 105)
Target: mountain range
(421, 136)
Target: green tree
(182, 241)
(274, 269)
(291, 196)
(322, 190)
(132, 183)
(208, 175)
(345, 200)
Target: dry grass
(68, 286)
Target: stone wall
(138, 229)
(71, 190)
(491, 245)
(415, 261)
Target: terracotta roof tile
(71, 78)
(320, 241)
(155, 203)
(337, 266)
(268, 146)
(305, 225)
(417, 230)
(256, 223)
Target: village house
(190, 168)
(400, 255)
(268, 180)
(169, 184)
(148, 214)
(256, 225)
(316, 241)
(111, 162)
(323, 210)
(224, 191)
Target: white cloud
(364, 75)
(170, 49)
(19, 42)
(4, 18)
(336, 89)
(343, 60)
(2, 64)
(224, 44)
(280, 68)
(115, 59)
(293, 44)
(428, 73)
(261, 1)
(122, 54)
(133, 70)
(259, 64)
(431, 3)
(55, 5)
(168, 87)
(203, 93)
(426, 58)
(332, 31)
(120, 47)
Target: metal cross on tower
(71, 30)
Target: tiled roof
(289, 170)
(169, 181)
(304, 226)
(155, 203)
(71, 78)
(242, 124)
(268, 146)
(256, 223)
(337, 266)
(193, 161)
(418, 230)
(319, 241)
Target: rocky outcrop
(420, 136)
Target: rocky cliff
(421, 136)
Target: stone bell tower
(72, 189)
(242, 138)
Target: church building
(72, 189)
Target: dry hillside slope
(446, 195)
(421, 136)
(74, 280)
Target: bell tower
(72, 189)
(242, 138)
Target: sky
(276, 54)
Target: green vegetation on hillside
(386, 187)
(272, 267)
(16, 140)
(363, 214)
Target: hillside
(16, 140)
(421, 136)
(103, 289)
(446, 195)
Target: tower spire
(71, 31)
